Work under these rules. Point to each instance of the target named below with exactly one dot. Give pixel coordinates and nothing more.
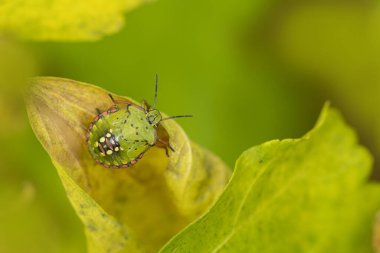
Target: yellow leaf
(63, 19)
(136, 209)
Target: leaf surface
(63, 20)
(302, 195)
(124, 210)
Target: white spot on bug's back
(109, 152)
(108, 135)
(117, 149)
(102, 139)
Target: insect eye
(153, 117)
(150, 118)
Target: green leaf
(137, 209)
(64, 20)
(304, 195)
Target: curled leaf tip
(136, 209)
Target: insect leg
(166, 146)
(145, 105)
(127, 108)
(118, 101)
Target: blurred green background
(249, 72)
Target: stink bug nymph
(119, 137)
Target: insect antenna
(178, 116)
(155, 93)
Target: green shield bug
(119, 136)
